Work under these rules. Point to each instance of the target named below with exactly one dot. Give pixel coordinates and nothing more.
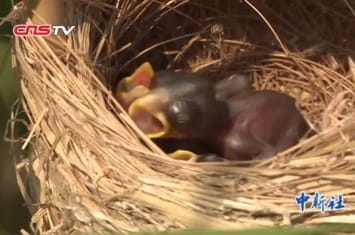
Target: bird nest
(89, 168)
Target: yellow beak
(136, 85)
(148, 113)
(183, 155)
(127, 98)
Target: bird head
(171, 104)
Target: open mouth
(147, 113)
(150, 124)
(135, 86)
(127, 98)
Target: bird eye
(183, 114)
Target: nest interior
(88, 168)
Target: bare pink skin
(147, 122)
(263, 123)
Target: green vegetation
(13, 213)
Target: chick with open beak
(137, 85)
(238, 122)
(178, 105)
(184, 109)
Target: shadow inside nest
(197, 30)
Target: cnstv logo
(41, 30)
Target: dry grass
(90, 169)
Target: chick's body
(228, 116)
(262, 123)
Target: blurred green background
(13, 213)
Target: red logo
(41, 30)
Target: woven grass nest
(87, 166)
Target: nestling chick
(262, 123)
(169, 105)
(240, 123)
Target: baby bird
(238, 123)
